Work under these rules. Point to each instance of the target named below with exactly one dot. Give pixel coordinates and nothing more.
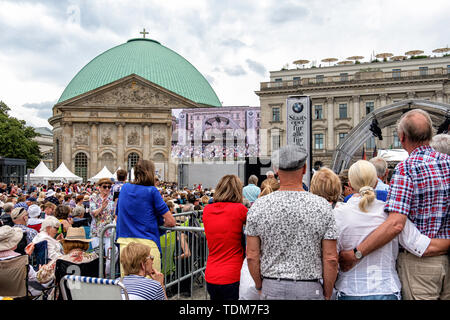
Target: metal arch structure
(386, 116)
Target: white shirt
(374, 274)
(381, 186)
(54, 248)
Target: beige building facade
(343, 95)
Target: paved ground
(199, 293)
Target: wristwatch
(358, 254)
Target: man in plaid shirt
(420, 191)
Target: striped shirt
(420, 189)
(142, 288)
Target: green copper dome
(150, 60)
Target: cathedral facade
(118, 109)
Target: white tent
(65, 175)
(41, 174)
(396, 155)
(104, 173)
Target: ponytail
(367, 197)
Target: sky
(234, 44)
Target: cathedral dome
(150, 60)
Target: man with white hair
(441, 143)
(382, 172)
(419, 191)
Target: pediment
(131, 91)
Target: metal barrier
(183, 257)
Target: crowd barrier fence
(183, 257)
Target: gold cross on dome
(144, 33)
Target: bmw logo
(297, 107)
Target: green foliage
(418, 57)
(16, 138)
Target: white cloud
(44, 44)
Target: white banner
(298, 127)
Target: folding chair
(63, 268)
(39, 255)
(87, 288)
(14, 277)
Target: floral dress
(103, 218)
(47, 272)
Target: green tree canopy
(16, 138)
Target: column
(356, 110)
(146, 141)
(330, 122)
(120, 145)
(440, 96)
(93, 149)
(67, 145)
(383, 100)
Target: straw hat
(104, 180)
(76, 234)
(86, 198)
(9, 237)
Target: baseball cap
(289, 158)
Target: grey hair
(253, 179)
(50, 221)
(271, 172)
(410, 129)
(8, 207)
(380, 164)
(441, 143)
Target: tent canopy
(104, 173)
(42, 174)
(396, 155)
(64, 174)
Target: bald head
(416, 125)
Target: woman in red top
(223, 221)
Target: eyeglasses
(149, 257)
(106, 187)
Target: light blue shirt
(381, 186)
(251, 192)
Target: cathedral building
(118, 109)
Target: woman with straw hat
(75, 245)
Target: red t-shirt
(223, 222)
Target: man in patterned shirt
(419, 191)
(291, 236)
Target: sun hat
(18, 213)
(9, 237)
(76, 234)
(86, 198)
(50, 193)
(289, 158)
(34, 211)
(104, 180)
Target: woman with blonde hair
(374, 277)
(326, 183)
(140, 279)
(224, 220)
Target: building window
(448, 69)
(276, 114)
(344, 76)
(319, 78)
(296, 78)
(318, 141)
(318, 112)
(397, 143)
(276, 141)
(370, 143)
(81, 165)
(369, 107)
(342, 110)
(133, 158)
(342, 136)
(423, 71)
(278, 79)
(396, 73)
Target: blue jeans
(394, 296)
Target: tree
(16, 138)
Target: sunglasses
(106, 187)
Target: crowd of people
(359, 235)
(214, 151)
